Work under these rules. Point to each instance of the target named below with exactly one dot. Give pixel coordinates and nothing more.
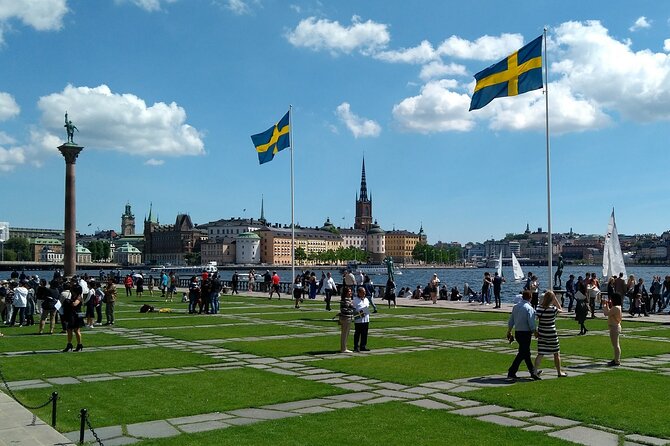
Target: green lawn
(230, 331)
(474, 316)
(663, 332)
(621, 399)
(600, 346)
(463, 333)
(35, 342)
(382, 424)
(308, 345)
(420, 367)
(89, 363)
(133, 400)
(153, 320)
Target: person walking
(330, 288)
(522, 320)
(235, 281)
(612, 309)
(275, 280)
(547, 336)
(361, 320)
(497, 288)
(344, 317)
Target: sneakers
(346, 351)
(562, 375)
(613, 363)
(512, 376)
(535, 377)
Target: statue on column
(70, 128)
(559, 272)
(389, 267)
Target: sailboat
(516, 267)
(612, 256)
(500, 264)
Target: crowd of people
(73, 302)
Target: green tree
(300, 253)
(19, 248)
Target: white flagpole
(546, 106)
(290, 120)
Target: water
(411, 277)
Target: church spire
(363, 196)
(262, 219)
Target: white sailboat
(612, 256)
(500, 264)
(516, 267)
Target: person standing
(193, 294)
(547, 336)
(275, 285)
(19, 303)
(165, 283)
(139, 285)
(128, 282)
(535, 291)
(73, 322)
(251, 277)
(570, 290)
(497, 288)
(639, 290)
(214, 294)
(267, 281)
(345, 315)
(612, 309)
(655, 290)
(235, 281)
(522, 320)
(369, 292)
(49, 297)
(361, 320)
(350, 280)
(330, 288)
(486, 289)
(110, 301)
(297, 290)
(581, 305)
(312, 286)
(434, 287)
(150, 285)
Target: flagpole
(546, 107)
(290, 129)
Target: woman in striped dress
(547, 337)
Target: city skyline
(166, 113)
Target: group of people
(204, 293)
(74, 301)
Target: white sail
(613, 263)
(516, 267)
(500, 264)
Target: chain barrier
(10, 392)
(85, 421)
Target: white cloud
(436, 109)
(8, 106)
(666, 45)
(636, 85)
(438, 69)
(120, 122)
(420, 54)
(640, 23)
(11, 157)
(324, 34)
(359, 127)
(154, 162)
(148, 5)
(42, 15)
(484, 48)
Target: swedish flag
(518, 73)
(272, 140)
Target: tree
(18, 248)
(193, 258)
(300, 253)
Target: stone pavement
(449, 396)
(19, 427)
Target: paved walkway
(450, 396)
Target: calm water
(450, 277)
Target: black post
(82, 426)
(54, 403)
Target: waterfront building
(276, 243)
(128, 255)
(37, 233)
(49, 247)
(127, 222)
(82, 254)
(48, 254)
(363, 218)
(247, 248)
(171, 243)
(356, 238)
(376, 243)
(232, 227)
(221, 250)
(400, 244)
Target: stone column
(70, 152)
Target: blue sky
(166, 94)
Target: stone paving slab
(521, 414)
(359, 396)
(343, 405)
(502, 421)
(537, 428)
(440, 385)
(202, 427)
(381, 399)
(214, 416)
(587, 436)
(313, 410)
(120, 441)
(461, 389)
(398, 394)
(298, 404)
(98, 377)
(63, 381)
(319, 377)
(648, 440)
(555, 421)
(152, 429)
(481, 410)
(242, 421)
(136, 373)
(353, 386)
(392, 386)
(261, 414)
(430, 404)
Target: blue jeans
(192, 302)
(214, 303)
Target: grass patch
(662, 333)
(174, 320)
(135, 400)
(227, 331)
(308, 345)
(474, 316)
(593, 398)
(463, 333)
(390, 424)
(34, 342)
(89, 363)
(600, 347)
(594, 324)
(425, 366)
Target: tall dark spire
(363, 195)
(262, 219)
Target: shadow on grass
(322, 352)
(491, 381)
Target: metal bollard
(82, 428)
(54, 404)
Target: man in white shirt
(361, 321)
(330, 288)
(19, 303)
